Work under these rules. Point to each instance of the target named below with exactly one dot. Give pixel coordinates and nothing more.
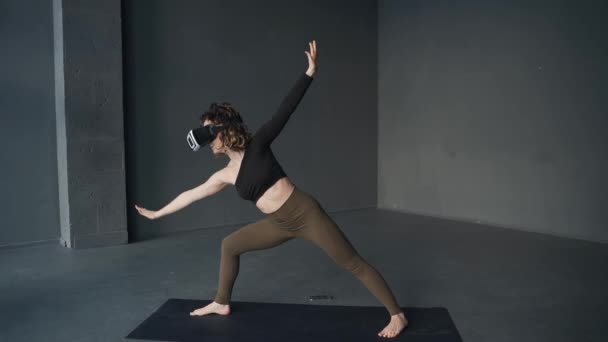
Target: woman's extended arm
(214, 184)
(271, 129)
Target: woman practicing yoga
(290, 212)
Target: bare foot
(398, 322)
(213, 307)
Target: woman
(290, 212)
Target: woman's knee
(229, 245)
(354, 264)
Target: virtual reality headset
(202, 136)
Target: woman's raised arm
(271, 128)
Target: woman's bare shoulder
(228, 173)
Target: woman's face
(216, 145)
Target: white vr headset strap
(194, 145)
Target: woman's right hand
(147, 213)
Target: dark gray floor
(498, 284)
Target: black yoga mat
(252, 321)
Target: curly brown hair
(236, 135)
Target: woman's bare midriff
(274, 197)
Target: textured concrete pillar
(89, 114)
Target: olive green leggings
(301, 216)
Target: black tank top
(259, 168)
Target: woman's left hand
(313, 65)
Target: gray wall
(28, 177)
(488, 111)
(495, 112)
(182, 55)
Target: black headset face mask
(202, 136)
